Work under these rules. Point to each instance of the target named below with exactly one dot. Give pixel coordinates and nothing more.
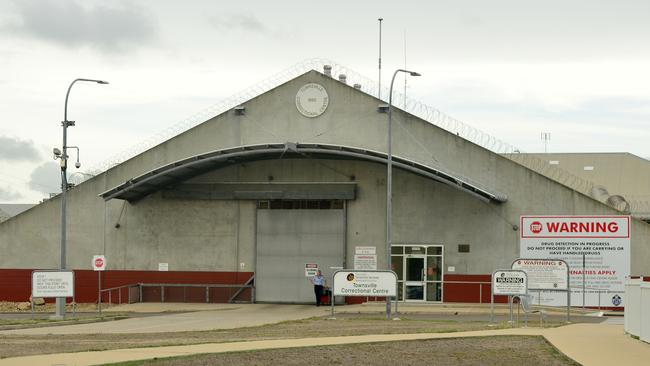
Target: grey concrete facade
(220, 235)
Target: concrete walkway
(588, 344)
(221, 316)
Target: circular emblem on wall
(312, 100)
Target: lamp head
(102, 82)
(413, 73)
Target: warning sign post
(511, 282)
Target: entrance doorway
(290, 234)
(419, 272)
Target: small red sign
(99, 263)
(536, 227)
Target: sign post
(99, 265)
(349, 282)
(508, 282)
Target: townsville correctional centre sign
(596, 248)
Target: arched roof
(182, 170)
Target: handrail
(247, 283)
(207, 287)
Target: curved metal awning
(174, 173)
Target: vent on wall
(463, 248)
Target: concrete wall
(217, 235)
(621, 173)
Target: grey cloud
(9, 195)
(75, 24)
(46, 178)
(13, 149)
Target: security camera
(77, 165)
(56, 152)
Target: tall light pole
(379, 86)
(60, 301)
(389, 180)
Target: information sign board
(53, 284)
(365, 283)
(596, 249)
(544, 274)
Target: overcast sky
(577, 69)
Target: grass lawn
(23, 345)
(502, 350)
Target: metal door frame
(422, 283)
(402, 282)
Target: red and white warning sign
(596, 248)
(99, 263)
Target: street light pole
(60, 301)
(389, 182)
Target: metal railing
(207, 287)
(481, 284)
(119, 290)
(136, 292)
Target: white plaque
(312, 100)
(365, 261)
(365, 250)
(163, 267)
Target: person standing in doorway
(318, 281)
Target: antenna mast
(405, 68)
(546, 137)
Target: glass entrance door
(415, 277)
(419, 271)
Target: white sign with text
(509, 282)
(544, 274)
(365, 283)
(53, 284)
(605, 243)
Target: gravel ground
(25, 307)
(504, 350)
(20, 345)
